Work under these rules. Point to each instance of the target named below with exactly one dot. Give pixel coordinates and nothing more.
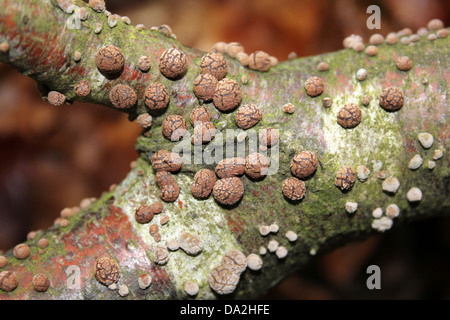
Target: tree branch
(42, 47)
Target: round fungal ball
(3, 261)
(228, 191)
(145, 213)
(222, 280)
(170, 192)
(391, 39)
(281, 252)
(230, 167)
(122, 96)
(107, 271)
(21, 251)
(156, 96)
(323, 66)
(173, 63)
(376, 39)
(256, 165)
(164, 160)
(174, 127)
(371, 50)
(160, 254)
(83, 88)
(205, 86)
(269, 137)
(293, 188)
(349, 116)
(164, 178)
(392, 98)
(191, 244)
(314, 86)
(214, 64)
(233, 49)
(204, 132)
(110, 60)
(289, 108)
(144, 120)
(8, 281)
(247, 116)
(203, 184)
(56, 98)
(435, 24)
(97, 5)
(259, 61)
(254, 262)
(403, 63)
(191, 288)
(200, 114)
(345, 178)
(41, 282)
(235, 261)
(304, 164)
(144, 63)
(392, 211)
(228, 95)
(414, 195)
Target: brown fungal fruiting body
(235, 261)
(3, 261)
(204, 132)
(205, 86)
(203, 184)
(214, 64)
(21, 251)
(259, 61)
(222, 280)
(145, 213)
(170, 192)
(349, 116)
(228, 95)
(156, 96)
(107, 271)
(144, 120)
(314, 86)
(345, 178)
(304, 164)
(8, 281)
(293, 189)
(228, 191)
(83, 88)
(199, 114)
(191, 244)
(269, 137)
(288, 108)
(403, 63)
(230, 167)
(392, 98)
(247, 116)
(122, 96)
(56, 98)
(97, 5)
(161, 254)
(174, 127)
(164, 178)
(41, 282)
(173, 63)
(110, 60)
(144, 63)
(256, 165)
(164, 160)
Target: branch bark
(42, 47)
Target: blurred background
(53, 157)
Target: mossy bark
(42, 47)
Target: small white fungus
(414, 195)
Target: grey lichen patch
(203, 218)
